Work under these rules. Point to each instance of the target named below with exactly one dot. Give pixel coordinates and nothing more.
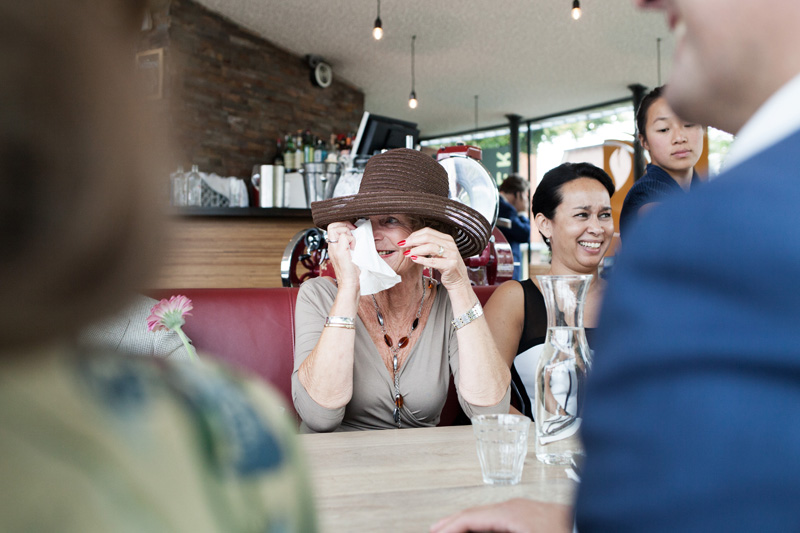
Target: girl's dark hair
(644, 107)
(548, 193)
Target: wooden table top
(407, 479)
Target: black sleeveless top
(534, 328)
(534, 333)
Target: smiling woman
(379, 360)
(572, 209)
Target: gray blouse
(424, 376)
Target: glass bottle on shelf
(320, 153)
(332, 149)
(288, 155)
(278, 160)
(562, 370)
(347, 144)
(194, 188)
(298, 152)
(308, 147)
(177, 187)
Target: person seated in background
(92, 440)
(674, 144)
(127, 332)
(384, 359)
(572, 210)
(512, 219)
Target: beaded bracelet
(345, 322)
(474, 312)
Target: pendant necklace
(395, 349)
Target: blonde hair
(78, 217)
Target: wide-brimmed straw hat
(408, 182)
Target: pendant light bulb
(576, 9)
(412, 100)
(377, 30)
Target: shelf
(246, 212)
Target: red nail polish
(401, 243)
(407, 252)
(413, 257)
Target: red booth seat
(253, 329)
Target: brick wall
(231, 94)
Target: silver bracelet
(474, 312)
(345, 322)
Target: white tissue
(376, 275)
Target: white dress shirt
(775, 120)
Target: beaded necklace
(402, 343)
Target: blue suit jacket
(519, 232)
(690, 421)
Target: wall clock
(322, 75)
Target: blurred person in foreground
(93, 440)
(384, 360)
(512, 217)
(689, 423)
(572, 210)
(675, 145)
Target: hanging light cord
(658, 54)
(413, 38)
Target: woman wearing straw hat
(384, 360)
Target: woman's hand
(326, 373)
(513, 516)
(434, 249)
(484, 375)
(340, 243)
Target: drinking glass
(502, 444)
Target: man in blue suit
(512, 219)
(689, 424)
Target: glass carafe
(562, 370)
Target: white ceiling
(526, 57)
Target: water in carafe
(562, 370)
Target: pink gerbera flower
(168, 315)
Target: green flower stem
(185, 339)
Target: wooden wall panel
(227, 252)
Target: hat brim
(471, 228)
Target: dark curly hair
(548, 195)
